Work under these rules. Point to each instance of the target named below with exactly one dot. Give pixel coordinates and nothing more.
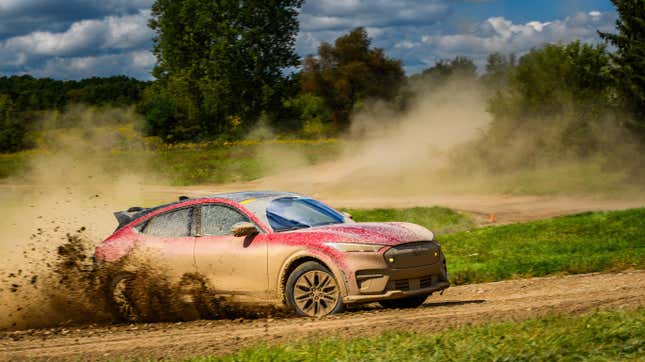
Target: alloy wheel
(316, 293)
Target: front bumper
(372, 278)
(394, 294)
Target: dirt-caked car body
(279, 247)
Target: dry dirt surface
(464, 305)
(506, 208)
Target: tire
(408, 302)
(121, 298)
(312, 291)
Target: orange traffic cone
(492, 217)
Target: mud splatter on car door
(171, 234)
(234, 265)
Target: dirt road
(471, 304)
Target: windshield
(290, 213)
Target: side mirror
(347, 215)
(244, 229)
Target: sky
(74, 39)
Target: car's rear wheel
(408, 302)
(121, 297)
(313, 291)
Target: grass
(440, 220)
(194, 163)
(601, 336)
(223, 163)
(583, 243)
(12, 164)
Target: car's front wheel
(313, 291)
(408, 302)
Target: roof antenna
(183, 198)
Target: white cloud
(18, 7)
(85, 48)
(498, 34)
(406, 44)
(339, 14)
(125, 32)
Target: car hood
(384, 233)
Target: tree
(498, 70)
(629, 59)
(556, 99)
(36, 94)
(222, 62)
(349, 72)
(550, 79)
(13, 131)
(457, 68)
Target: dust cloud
(389, 152)
(445, 142)
(70, 184)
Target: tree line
(24, 98)
(224, 67)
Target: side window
(171, 224)
(219, 219)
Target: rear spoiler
(125, 217)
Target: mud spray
(57, 212)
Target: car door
(234, 265)
(169, 237)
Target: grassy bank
(602, 336)
(583, 243)
(191, 163)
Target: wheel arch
(299, 259)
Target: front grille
(425, 282)
(412, 284)
(412, 255)
(402, 284)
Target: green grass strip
(583, 243)
(601, 336)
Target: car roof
(255, 201)
(246, 195)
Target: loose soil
(464, 305)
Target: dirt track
(464, 305)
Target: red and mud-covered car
(280, 247)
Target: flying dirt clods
(76, 289)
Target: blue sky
(72, 39)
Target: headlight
(351, 247)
